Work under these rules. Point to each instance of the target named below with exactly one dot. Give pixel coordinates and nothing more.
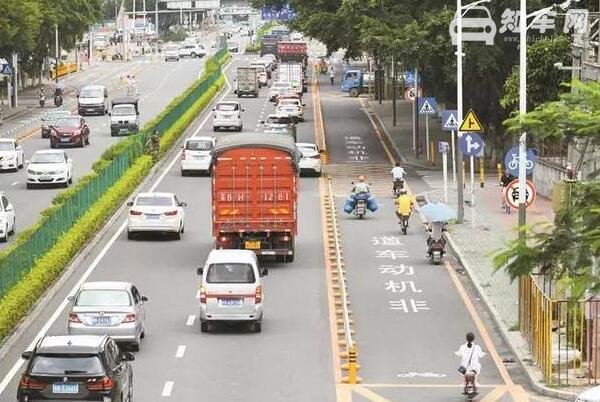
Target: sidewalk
(486, 230)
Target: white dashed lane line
(168, 389)
(190, 320)
(14, 183)
(180, 352)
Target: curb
(533, 382)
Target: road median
(30, 265)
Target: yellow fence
(64, 69)
(564, 335)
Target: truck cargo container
(254, 194)
(247, 81)
(294, 74)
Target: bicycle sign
(511, 194)
(511, 161)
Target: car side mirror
(71, 298)
(26, 355)
(144, 299)
(261, 121)
(243, 110)
(110, 113)
(264, 272)
(183, 204)
(351, 182)
(105, 95)
(51, 127)
(304, 104)
(200, 271)
(130, 203)
(78, 95)
(128, 356)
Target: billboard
(193, 4)
(284, 13)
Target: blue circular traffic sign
(511, 161)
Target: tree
(19, 24)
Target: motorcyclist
(41, 96)
(469, 354)
(404, 206)
(506, 178)
(360, 186)
(398, 173)
(436, 231)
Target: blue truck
(355, 81)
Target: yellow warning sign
(471, 123)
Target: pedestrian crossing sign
(471, 123)
(427, 106)
(449, 120)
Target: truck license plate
(252, 245)
(231, 302)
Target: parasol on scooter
(437, 212)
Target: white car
(262, 72)
(279, 88)
(231, 288)
(292, 107)
(196, 155)
(233, 46)
(227, 114)
(191, 50)
(589, 395)
(50, 167)
(171, 52)
(7, 218)
(11, 154)
(156, 212)
(310, 158)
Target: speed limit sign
(511, 194)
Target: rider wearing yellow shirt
(404, 206)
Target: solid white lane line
(14, 183)
(180, 351)
(59, 310)
(168, 388)
(190, 320)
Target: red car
(70, 130)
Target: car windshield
(227, 107)
(170, 48)
(125, 110)
(199, 145)
(66, 364)
(103, 297)
(307, 150)
(279, 120)
(68, 122)
(6, 146)
(157, 201)
(230, 273)
(53, 116)
(281, 85)
(91, 93)
(47, 158)
(293, 102)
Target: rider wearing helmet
(404, 205)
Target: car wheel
(130, 392)
(184, 173)
(178, 234)
(130, 235)
(143, 334)
(87, 140)
(193, 55)
(135, 347)
(52, 145)
(14, 227)
(319, 173)
(5, 238)
(82, 142)
(257, 326)
(70, 181)
(203, 326)
(28, 186)
(353, 92)
(215, 129)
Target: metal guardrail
(341, 299)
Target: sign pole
(445, 168)
(453, 159)
(472, 161)
(427, 136)
(416, 126)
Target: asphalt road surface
(289, 361)
(157, 84)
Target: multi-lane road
(409, 317)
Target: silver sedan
(109, 308)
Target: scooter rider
(404, 206)
(361, 186)
(436, 231)
(398, 173)
(469, 354)
(41, 96)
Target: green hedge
(254, 47)
(17, 302)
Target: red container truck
(254, 194)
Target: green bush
(254, 47)
(17, 302)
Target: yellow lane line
(370, 395)
(495, 395)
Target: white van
(262, 72)
(231, 289)
(92, 99)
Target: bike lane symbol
(511, 161)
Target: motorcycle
(398, 185)
(42, 100)
(470, 389)
(58, 100)
(360, 208)
(436, 250)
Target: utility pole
(522, 111)
(460, 207)
(394, 80)
(416, 112)
(56, 52)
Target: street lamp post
(56, 52)
(459, 102)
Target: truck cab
(124, 116)
(352, 82)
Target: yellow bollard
(352, 365)
(499, 169)
(432, 152)
(481, 173)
